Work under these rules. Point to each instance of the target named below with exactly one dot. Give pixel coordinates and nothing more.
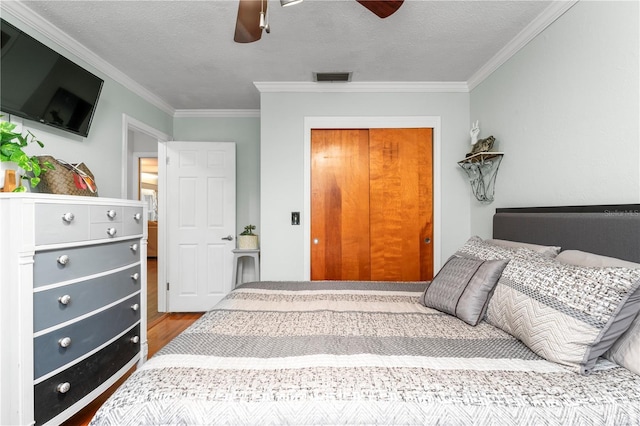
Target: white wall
(245, 132)
(565, 112)
(282, 164)
(101, 151)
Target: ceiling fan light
(284, 3)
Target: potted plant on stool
(247, 240)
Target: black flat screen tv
(39, 84)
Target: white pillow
(583, 258)
(546, 251)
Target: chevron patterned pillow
(567, 314)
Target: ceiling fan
(251, 16)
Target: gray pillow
(565, 313)
(463, 287)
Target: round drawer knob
(111, 214)
(135, 307)
(133, 247)
(135, 339)
(65, 342)
(111, 231)
(68, 217)
(137, 216)
(63, 387)
(64, 300)
(64, 259)
(135, 276)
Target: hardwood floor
(152, 292)
(159, 334)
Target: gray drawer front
(100, 214)
(50, 227)
(83, 261)
(100, 231)
(132, 226)
(83, 377)
(86, 296)
(85, 336)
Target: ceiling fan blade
(248, 22)
(382, 8)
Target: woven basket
(63, 181)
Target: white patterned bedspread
(327, 353)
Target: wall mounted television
(39, 84)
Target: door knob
(228, 238)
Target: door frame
(130, 123)
(432, 122)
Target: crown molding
(363, 87)
(23, 13)
(216, 113)
(556, 9)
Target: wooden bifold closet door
(371, 204)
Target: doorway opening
(140, 181)
(148, 193)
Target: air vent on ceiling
(331, 77)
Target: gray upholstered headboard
(609, 230)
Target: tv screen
(41, 85)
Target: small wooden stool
(238, 262)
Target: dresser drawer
(105, 214)
(85, 336)
(100, 231)
(84, 377)
(61, 304)
(132, 220)
(50, 267)
(61, 223)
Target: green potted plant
(11, 151)
(247, 240)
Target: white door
(201, 223)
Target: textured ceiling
(184, 53)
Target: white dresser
(73, 301)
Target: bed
(462, 349)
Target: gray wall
(565, 112)
(282, 165)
